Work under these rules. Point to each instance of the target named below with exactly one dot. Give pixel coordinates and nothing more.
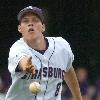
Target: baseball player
(35, 58)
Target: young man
(35, 58)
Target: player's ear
(19, 28)
(43, 28)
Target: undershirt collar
(47, 45)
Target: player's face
(31, 27)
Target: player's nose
(30, 24)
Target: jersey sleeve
(67, 53)
(70, 58)
(15, 55)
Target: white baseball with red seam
(35, 87)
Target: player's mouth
(31, 30)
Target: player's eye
(33, 20)
(25, 21)
(36, 20)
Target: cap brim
(25, 12)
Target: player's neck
(39, 44)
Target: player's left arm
(71, 80)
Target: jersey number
(57, 89)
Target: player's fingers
(29, 61)
(31, 69)
(34, 69)
(28, 68)
(33, 72)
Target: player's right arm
(20, 59)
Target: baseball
(35, 87)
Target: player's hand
(26, 65)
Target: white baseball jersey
(50, 68)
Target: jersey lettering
(39, 74)
(50, 72)
(46, 72)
